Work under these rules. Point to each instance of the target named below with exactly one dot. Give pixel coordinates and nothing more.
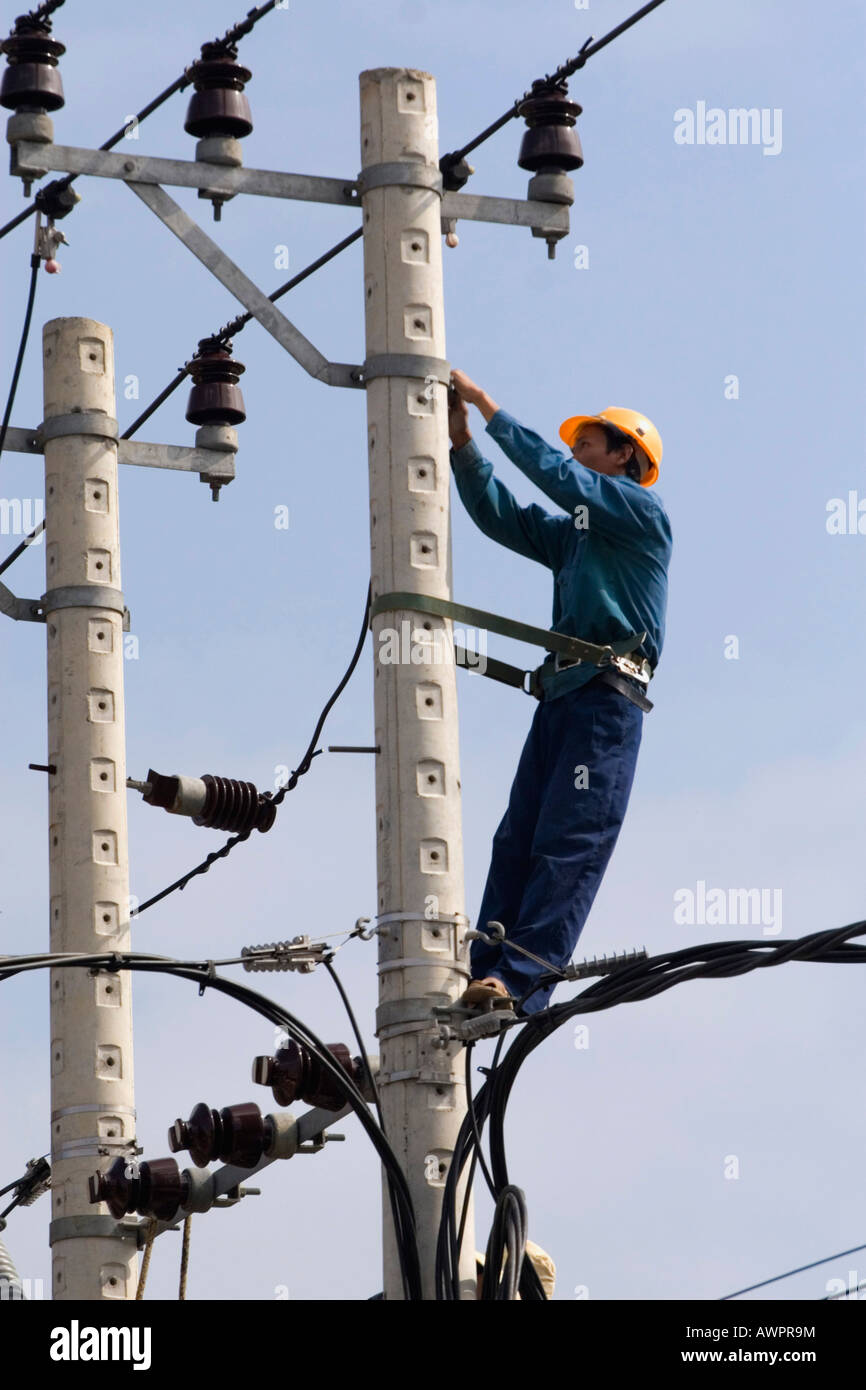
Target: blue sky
(704, 262)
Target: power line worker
(609, 555)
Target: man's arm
(616, 511)
(531, 531)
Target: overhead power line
(302, 768)
(47, 195)
(231, 329)
(560, 74)
(237, 324)
(35, 263)
(789, 1272)
(447, 161)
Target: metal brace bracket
(22, 610)
(244, 289)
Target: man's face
(590, 449)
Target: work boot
(479, 992)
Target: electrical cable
(478, 1154)
(277, 799)
(46, 9)
(846, 1293)
(368, 1074)
(799, 1270)
(645, 979)
(20, 549)
(57, 186)
(235, 326)
(204, 975)
(30, 1186)
(365, 1063)
(232, 329)
(506, 1247)
(564, 71)
(35, 263)
(467, 1146)
(641, 979)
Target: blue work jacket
(609, 554)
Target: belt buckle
(636, 671)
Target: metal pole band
(405, 364)
(81, 422)
(72, 1227)
(83, 596)
(395, 1011)
(458, 918)
(87, 1109)
(406, 172)
(404, 961)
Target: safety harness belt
(613, 659)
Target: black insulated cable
(302, 768)
(204, 975)
(35, 263)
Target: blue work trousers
(554, 842)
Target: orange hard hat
(632, 423)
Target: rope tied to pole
(184, 1258)
(145, 1263)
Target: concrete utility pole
(406, 207)
(92, 1115)
(418, 821)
